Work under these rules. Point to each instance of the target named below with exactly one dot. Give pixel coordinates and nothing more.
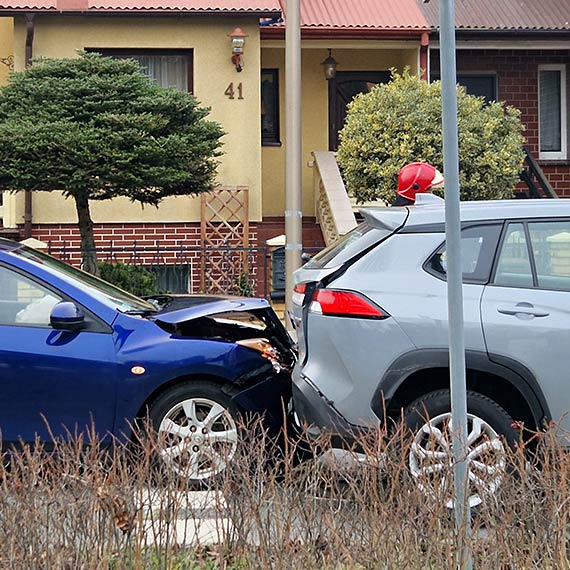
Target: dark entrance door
(342, 89)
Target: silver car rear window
(346, 247)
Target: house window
(270, 107)
(552, 111)
(167, 68)
(480, 85)
(477, 84)
(172, 278)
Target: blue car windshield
(103, 291)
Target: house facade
(194, 39)
(518, 52)
(185, 52)
(188, 44)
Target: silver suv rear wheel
(430, 457)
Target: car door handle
(523, 309)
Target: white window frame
(562, 153)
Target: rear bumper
(317, 415)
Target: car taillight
(299, 294)
(345, 304)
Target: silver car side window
(478, 245)
(551, 251)
(514, 268)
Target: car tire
(490, 431)
(197, 431)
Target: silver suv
(371, 319)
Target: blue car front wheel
(197, 430)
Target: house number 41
(230, 91)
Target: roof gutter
(53, 11)
(346, 33)
(30, 29)
(507, 34)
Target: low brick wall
(174, 244)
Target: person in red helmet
(415, 178)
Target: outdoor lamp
(329, 67)
(238, 40)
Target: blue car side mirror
(67, 316)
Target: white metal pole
(293, 148)
(454, 280)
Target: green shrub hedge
(132, 278)
(400, 122)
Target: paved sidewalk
(184, 518)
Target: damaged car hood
(249, 322)
(211, 306)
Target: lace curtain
(164, 70)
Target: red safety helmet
(418, 177)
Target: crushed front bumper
(268, 398)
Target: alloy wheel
(198, 438)
(431, 459)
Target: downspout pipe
(30, 28)
(424, 61)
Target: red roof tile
(268, 8)
(355, 19)
(495, 15)
(361, 14)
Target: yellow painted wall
(6, 47)
(351, 56)
(213, 71)
(6, 60)
(244, 162)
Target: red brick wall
(559, 177)
(150, 238)
(517, 79)
(167, 236)
(170, 243)
(274, 226)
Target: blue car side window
(24, 302)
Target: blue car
(77, 352)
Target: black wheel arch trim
(507, 368)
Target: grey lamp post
(454, 280)
(293, 148)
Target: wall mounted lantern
(329, 67)
(238, 40)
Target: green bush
(400, 122)
(132, 278)
(244, 287)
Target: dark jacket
(401, 201)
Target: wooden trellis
(225, 238)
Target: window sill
(554, 161)
(270, 143)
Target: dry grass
(85, 508)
